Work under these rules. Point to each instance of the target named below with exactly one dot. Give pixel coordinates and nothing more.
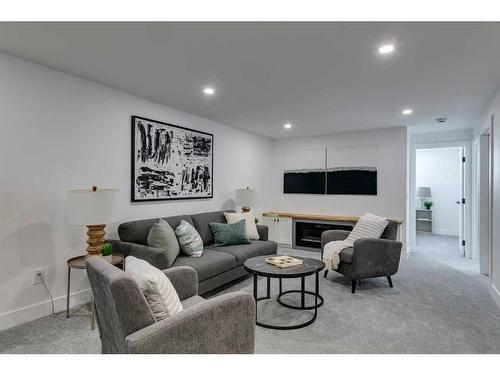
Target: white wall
(494, 109)
(439, 169)
(441, 136)
(391, 175)
(60, 132)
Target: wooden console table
(303, 231)
(292, 215)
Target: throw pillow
(163, 236)
(229, 234)
(250, 226)
(368, 226)
(189, 240)
(156, 287)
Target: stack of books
(283, 261)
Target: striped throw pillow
(368, 226)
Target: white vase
(107, 257)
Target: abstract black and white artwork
(304, 172)
(352, 170)
(170, 162)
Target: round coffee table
(258, 267)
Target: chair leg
(326, 273)
(353, 286)
(389, 280)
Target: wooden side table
(79, 263)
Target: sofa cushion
(156, 287)
(163, 236)
(189, 240)
(250, 225)
(229, 234)
(346, 255)
(211, 263)
(244, 252)
(137, 231)
(201, 224)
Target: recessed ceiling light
(385, 49)
(287, 126)
(407, 111)
(209, 91)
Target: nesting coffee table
(258, 267)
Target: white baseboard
(39, 310)
(445, 232)
(496, 294)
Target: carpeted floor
(444, 249)
(433, 308)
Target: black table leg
(268, 287)
(255, 294)
(316, 295)
(281, 286)
(302, 292)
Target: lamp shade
(424, 192)
(92, 206)
(245, 197)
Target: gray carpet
(432, 308)
(444, 249)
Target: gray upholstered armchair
(368, 257)
(224, 324)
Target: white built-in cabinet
(280, 229)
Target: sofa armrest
(375, 257)
(263, 231)
(152, 255)
(184, 279)
(222, 325)
(332, 235)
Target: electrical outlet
(38, 276)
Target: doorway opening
(440, 204)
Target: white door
(461, 204)
(285, 231)
(271, 223)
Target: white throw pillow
(368, 226)
(250, 226)
(156, 287)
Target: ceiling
(320, 77)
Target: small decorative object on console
(284, 261)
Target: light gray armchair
(369, 257)
(224, 324)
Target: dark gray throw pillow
(163, 236)
(229, 234)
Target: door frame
(411, 234)
(484, 198)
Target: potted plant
(107, 251)
(428, 204)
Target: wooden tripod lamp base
(96, 239)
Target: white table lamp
(245, 198)
(424, 192)
(93, 208)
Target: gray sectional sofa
(217, 265)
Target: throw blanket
(331, 253)
(368, 226)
